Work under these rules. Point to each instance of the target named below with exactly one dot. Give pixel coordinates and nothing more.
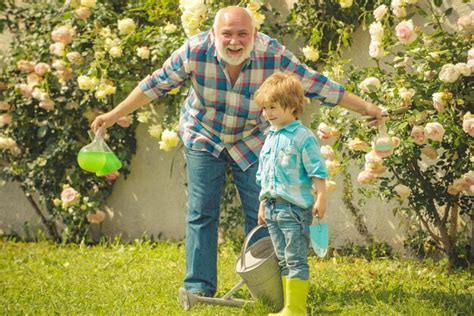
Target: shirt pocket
(288, 156)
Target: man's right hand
(103, 121)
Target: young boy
(292, 175)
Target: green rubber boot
(283, 285)
(296, 296)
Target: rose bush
(424, 74)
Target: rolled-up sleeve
(173, 72)
(313, 162)
(316, 85)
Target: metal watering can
(259, 270)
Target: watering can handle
(246, 243)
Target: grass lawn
(143, 278)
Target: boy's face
(278, 116)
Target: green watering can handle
(246, 243)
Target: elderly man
(221, 125)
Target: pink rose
(82, 13)
(458, 186)
(4, 106)
(7, 143)
(74, 57)
(25, 66)
(96, 218)
(324, 131)
(418, 135)
(468, 124)
(69, 197)
(434, 131)
(366, 177)
(112, 176)
(395, 141)
(26, 90)
(405, 32)
(333, 166)
(358, 145)
(3, 86)
(373, 157)
(327, 152)
(330, 186)
(33, 79)
(5, 119)
(375, 168)
(64, 75)
(63, 34)
(42, 68)
(47, 104)
(469, 178)
(124, 121)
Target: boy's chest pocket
(288, 157)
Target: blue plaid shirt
(218, 115)
(288, 160)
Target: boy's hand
(261, 213)
(319, 208)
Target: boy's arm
(261, 213)
(319, 187)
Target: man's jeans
(206, 177)
(288, 225)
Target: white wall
(150, 202)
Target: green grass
(143, 278)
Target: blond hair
(283, 89)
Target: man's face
(234, 37)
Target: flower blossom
(7, 143)
(310, 53)
(5, 119)
(405, 32)
(88, 3)
(370, 84)
(434, 131)
(402, 191)
(82, 13)
(169, 140)
(449, 73)
(345, 3)
(96, 218)
(325, 131)
(104, 89)
(5, 106)
(327, 152)
(366, 177)
(380, 12)
(170, 28)
(358, 145)
(466, 23)
(194, 13)
(87, 83)
(63, 34)
(126, 26)
(155, 131)
(418, 135)
(330, 186)
(440, 100)
(69, 197)
(25, 66)
(143, 52)
(468, 124)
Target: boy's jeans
(206, 177)
(288, 225)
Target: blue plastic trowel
(319, 234)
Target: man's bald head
(239, 14)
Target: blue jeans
(288, 225)
(206, 177)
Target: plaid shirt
(217, 115)
(289, 159)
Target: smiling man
(221, 125)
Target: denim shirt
(288, 160)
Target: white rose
(345, 3)
(143, 52)
(87, 83)
(376, 50)
(88, 3)
(126, 26)
(115, 51)
(439, 101)
(470, 54)
(155, 131)
(169, 140)
(449, 73)
(466, 23)
(380, 12)
(402, 191)
(57, 49)
(370, 84)
(406, 94)
(463, 69)
(310, 53)
(170, 28)
(376, 31)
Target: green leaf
(42, 131)
(438, 3)
(448, 12)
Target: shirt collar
(290, 127)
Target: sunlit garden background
(76, 243)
